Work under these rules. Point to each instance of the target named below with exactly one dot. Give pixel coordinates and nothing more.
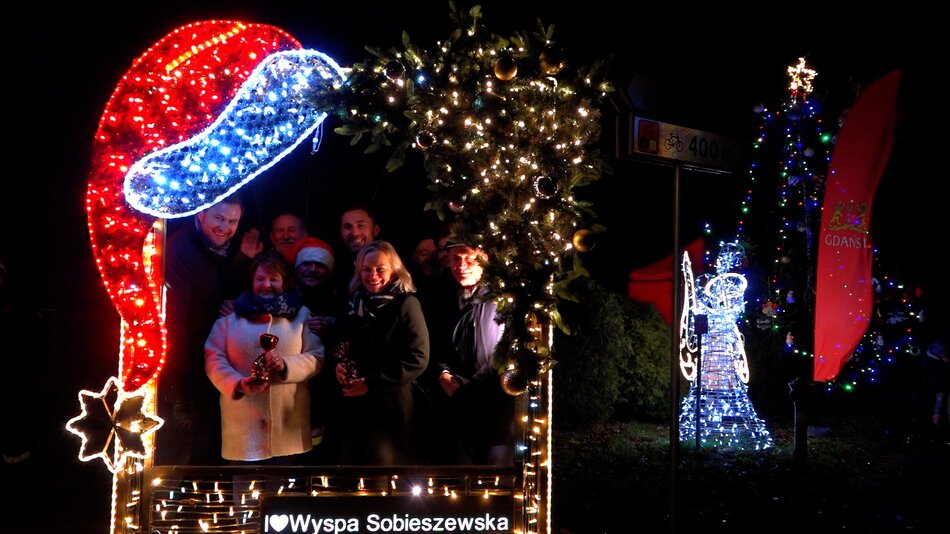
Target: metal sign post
(685, 148)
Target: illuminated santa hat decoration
(207, 108)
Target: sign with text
(669, 141)
(394, 514)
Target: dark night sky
(713, 68)
(62, 66)
(716, 68)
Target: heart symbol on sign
(278, 522)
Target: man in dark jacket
(483, 414)
(202, 270)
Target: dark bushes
(614, 363)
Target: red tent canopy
(653, 284)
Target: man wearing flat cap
(479, 414)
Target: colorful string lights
(176, 89)
(717, 410)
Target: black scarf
(286, 304)
(366, 304)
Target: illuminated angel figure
(712, 358)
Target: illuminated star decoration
(119, 430)
(801, 77)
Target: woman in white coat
(265, 408)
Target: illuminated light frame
(134, 128)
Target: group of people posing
(292, 353)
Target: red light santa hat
(313, 249)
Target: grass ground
(867, 474)
(861, 474)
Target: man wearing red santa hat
(313, 261)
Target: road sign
(678, 143)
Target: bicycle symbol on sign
(674, 141)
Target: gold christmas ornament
(506, 67)
(583, 240)
(425, 140)
(514, 381)
(551, 61)
(545, 187)
(394, 70)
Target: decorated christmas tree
(889, 352)
(787, 173)
(778, 222)
(506, 127)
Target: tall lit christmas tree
(717, 410)
(778, 222)
(787, 173)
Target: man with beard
(358, 227)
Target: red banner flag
(843, 299)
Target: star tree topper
(115, 434)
